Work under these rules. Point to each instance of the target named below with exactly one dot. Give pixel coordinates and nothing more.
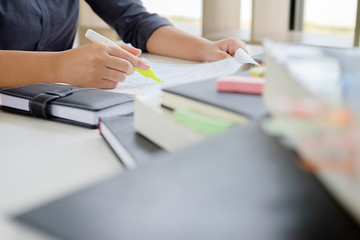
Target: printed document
(176, 74)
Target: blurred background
(317, 22)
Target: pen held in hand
(96, 37)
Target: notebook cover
(205, 91)
(239, 185)
(141, 149)
(83, 98)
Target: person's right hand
(96, 65)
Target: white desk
(42, 160)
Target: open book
(176, 74)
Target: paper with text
(176, 74)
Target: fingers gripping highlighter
(96, 37)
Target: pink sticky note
(241, 84)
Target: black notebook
(81, 106)
(203, 96)
(130, 147)
(239, 185)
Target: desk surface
(42, 160)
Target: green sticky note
(202, 123)
(148, 73)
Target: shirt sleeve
(129, 18)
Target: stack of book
(183, 115)
(191, 112)
(312, 94)
(306, 98)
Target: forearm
(21, 68)
(169, 41)
(93, 65)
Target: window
(245, 19)
(330, 20)
(318, 22)
(184, 14)
(213, 19)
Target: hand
(97, 65)
(222, 49)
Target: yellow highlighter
(96, 37)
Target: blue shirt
(50, 25)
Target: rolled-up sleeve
(129, 18)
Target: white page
(176, 74)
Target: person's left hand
(222, 49)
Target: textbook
(239, 185)
(160, 126)
(131, 148)
(174, 129)
(203, 97)
(65, 103)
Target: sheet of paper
(176, 74)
